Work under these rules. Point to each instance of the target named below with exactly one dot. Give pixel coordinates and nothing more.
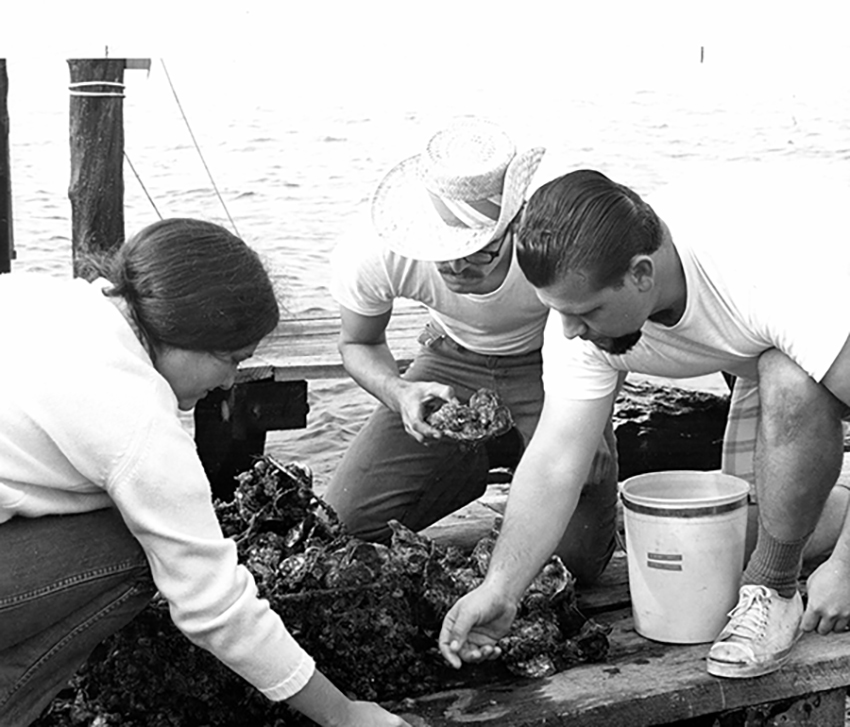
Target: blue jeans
(387, 475)
(66, 583)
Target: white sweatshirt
(86, 422)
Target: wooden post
(96, 189)
(7, 244)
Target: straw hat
(457, 196)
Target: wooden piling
(96, 189)
(7, 243)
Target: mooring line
(197, 147)
(142, 184)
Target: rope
(119, 93)
(198, 148)
(142, 184)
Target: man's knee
(780, 378)
(358, 519)
(586, 559)
(590, 537)
(605, 466)
(365, 526)
(790, 398)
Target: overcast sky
(345, 42)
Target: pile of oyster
(379, 608)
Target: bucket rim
(736, 491)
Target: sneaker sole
(736, 670)
(743, 671)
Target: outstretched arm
(543, 497)
(322, 702)
(368, 359)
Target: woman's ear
(642, 272)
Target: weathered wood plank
(642, 683)
(306, 348)
(820, 709)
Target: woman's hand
(369, 714)
(326, 705)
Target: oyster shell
(483, 418)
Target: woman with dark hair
(103, 500)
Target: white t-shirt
(765, 259)
(367, 278)
(87, 422)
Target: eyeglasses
(485, 257)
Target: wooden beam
(7, 245)
(231, 426)
(306, 348)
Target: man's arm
(366, 355)
(543, 496)
(368, 359)
(545, 490)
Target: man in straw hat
(743, 274)
(441, 233)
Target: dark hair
(584, 222)
(192, 284)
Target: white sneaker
(761, 632)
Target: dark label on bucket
(664, 561)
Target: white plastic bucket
(685, 533)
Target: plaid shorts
(739, 439)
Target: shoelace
(749, 618)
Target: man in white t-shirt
(441, 232)
(748, 274)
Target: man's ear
(642, 272)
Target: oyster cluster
(380, 608)
(483, 418)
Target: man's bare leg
(799, 451)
